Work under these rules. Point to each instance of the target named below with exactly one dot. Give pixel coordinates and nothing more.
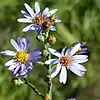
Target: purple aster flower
(22, 59)
(82, 49)
(38, 20)
(71, 99)
(67, 60)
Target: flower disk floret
(22, 59)
(38, 21)
(67, 60)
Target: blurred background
(80, 22)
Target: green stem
(33, 88)
(49, 82)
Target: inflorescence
(22, 59)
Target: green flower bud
(45, 53)
(17, 81)
(47, 78)
(41, 38)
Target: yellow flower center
(39, 19)
(65, 61)
(22, 56)
(80, 48)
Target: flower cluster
(68, 59)
(23, 59)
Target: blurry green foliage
(80, 22)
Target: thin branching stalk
(33, 88)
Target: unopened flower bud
(47, 78)
(17, 81)
(47, 97)
(45, 52)
(41, 38)
(52, 39)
